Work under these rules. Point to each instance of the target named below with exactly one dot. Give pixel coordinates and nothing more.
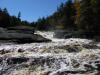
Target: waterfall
(49, 35)
(73, 56)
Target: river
(73, 56)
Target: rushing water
(59, 57)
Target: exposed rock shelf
(20, 36)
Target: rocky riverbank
(21, 36)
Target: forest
(67, 42)
(82, 16)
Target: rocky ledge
(20, 36)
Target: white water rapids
(71, 56)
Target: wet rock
(90, 46)
(74, 49)
(98, 73)
(39, 38)
(21, 36)
(4, 51)
(20, 50)
(98, 66)
(60, 33)
(65, 34)
(98, 61)
(16, 60)
(1, 60)
(69, 72)
(75, 63)
(89, 67)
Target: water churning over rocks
(73, 56)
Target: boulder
(60, 33)
(65, 34)
(21, 37)
(39, 38)
(32, 38)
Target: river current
(73, 56)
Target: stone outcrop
(64, 34)
(20, 36)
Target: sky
(31, 10)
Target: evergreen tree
(96, 10)
(77, 15)
(4, 18)
(86, 22)
(90, 17)
(0, 10)
(68, 15)
(42, 24)
(63, 18)
(19, 15)
(14, 21)
(5, 11)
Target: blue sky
(31, 10)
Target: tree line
(6, 20)
(63, 18)
(80, 15)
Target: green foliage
(69, 13)
(90, 16)
(10, 21)
(42, 24)
(85, 12)
(14, 21)
(63, 18)
(4, 17)
(96, 10)
(19, 15)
